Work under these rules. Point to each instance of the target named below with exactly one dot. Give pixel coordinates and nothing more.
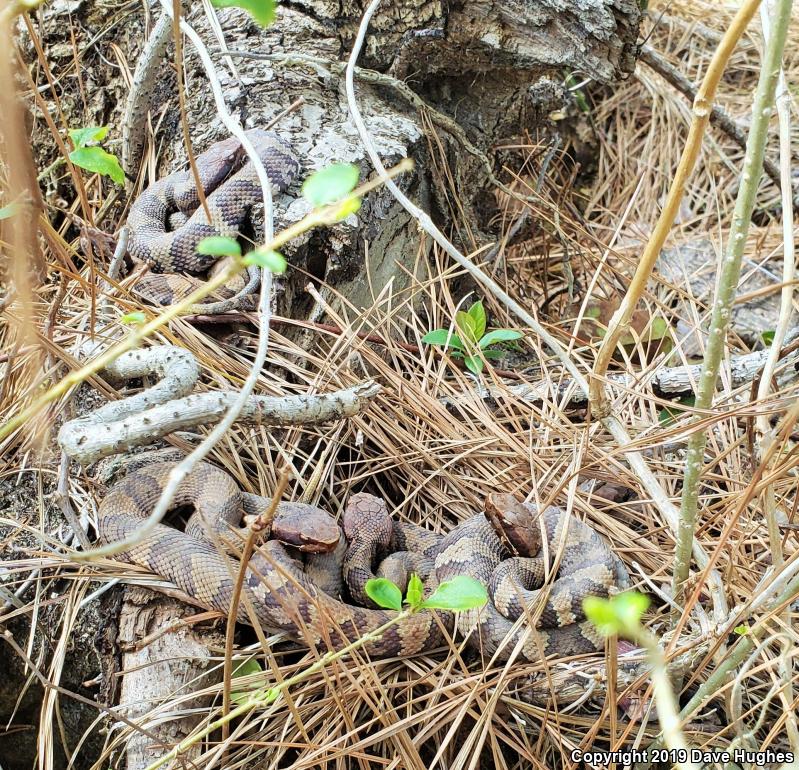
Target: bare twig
(230, 122)
(184, 120)
(62, 494)
(257, 528)
(165, 408)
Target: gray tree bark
(164, 659)
(494, 68)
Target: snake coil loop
(231, 188)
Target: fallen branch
(669, 382)
(568, 683)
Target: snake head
(367, 515)
(515, 523)
(306, 528)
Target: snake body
(231, 187)
(400, 548)
(285, 597)
(282, 595)
(587, 567)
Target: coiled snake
(285, 597)
(231, 187)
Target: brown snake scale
(285, 597)
(231, 187)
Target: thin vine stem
(774, 516)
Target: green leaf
(348, 206)
(443, 337)
(263, 11)
(600, 613)
(478, 315)
(135, 318)
(658, 329)
(669, 414)
(655, 329)
(219, 246)
(499, 335)
(768, 336)
(619, 614)
(245, 668)
(741, 630)
(271, 260)
(270, 696)
(466, 326)
(493, 354)
(577, 94)
(9, 211)
(97, 160)
(460, 593)
(415, 592)
(331, 184)
(474, 364)
(384, 593)
(82, 136)
(630, 608)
